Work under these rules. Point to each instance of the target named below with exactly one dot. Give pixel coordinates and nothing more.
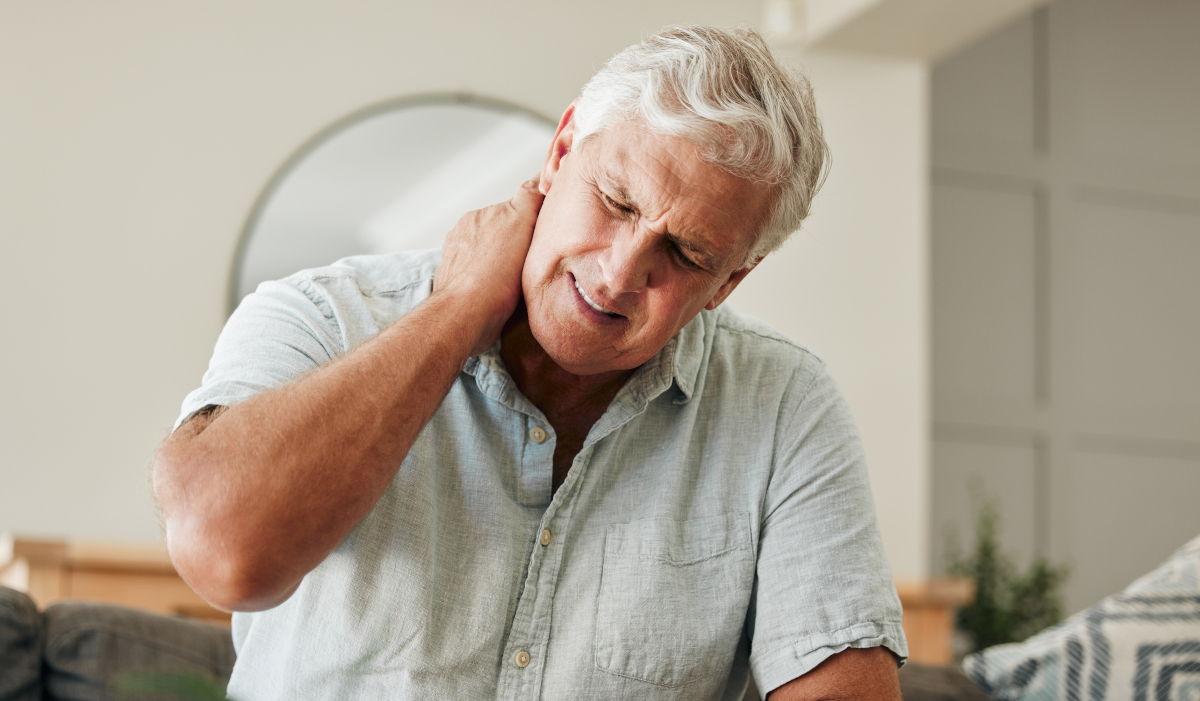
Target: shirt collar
(678, 362)
(689, 352)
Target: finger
(528, 197)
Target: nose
(627, 263)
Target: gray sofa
(72, 651)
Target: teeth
(592, 304)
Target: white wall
(134, 138)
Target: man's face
(636, 236)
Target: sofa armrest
(22, 641)
(88, 645)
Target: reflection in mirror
(394, 177)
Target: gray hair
(723, 92)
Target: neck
(552, 389)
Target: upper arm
(859, 674)
(276, 334)
(823, 583)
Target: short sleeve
(279, 332)
(823, 583)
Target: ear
(735, 278)
(563, 138)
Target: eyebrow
(623, 196)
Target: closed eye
(677, 251)
(682, 258)
(616, 205)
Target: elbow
(215, 554)
(229, 578)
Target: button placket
(530, 632)
(535, 441)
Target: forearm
(855, 674)
(259, 496)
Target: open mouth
(591, 303)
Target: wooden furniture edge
(929, 617)
(93, 555)
(936, 592)
(139, 575)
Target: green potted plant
(1009, 605)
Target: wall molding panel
(1065, 250)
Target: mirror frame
(329, 132)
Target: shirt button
(538, 435)
(522, 659)
(545, 539)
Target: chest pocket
(673, 598)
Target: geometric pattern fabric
(1140, 645)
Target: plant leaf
(188, 686)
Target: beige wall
(852, 284)
(134, 138)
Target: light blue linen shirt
(717, 520)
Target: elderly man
(544, 464)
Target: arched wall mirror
(396, 176)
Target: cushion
(22, 639)
(89, 645)
(1140, 645)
